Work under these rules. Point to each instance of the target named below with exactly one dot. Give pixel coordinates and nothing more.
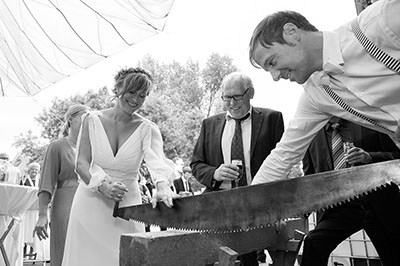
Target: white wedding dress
(93, 233)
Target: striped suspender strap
(373, 50)
(346, 107)
(379, 55)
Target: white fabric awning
(44, 41)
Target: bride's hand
(165, 194)
(113, 190)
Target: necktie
(237, 149)
(186, 185)
(339, 160)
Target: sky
(194, 29)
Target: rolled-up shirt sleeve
(160, 167)
(308, 120)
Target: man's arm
(201, 170)
(306, 123)
(389, 150)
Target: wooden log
(226, 256)
(196, 248)
(285, 257)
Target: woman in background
(58, 184)
(112, 144)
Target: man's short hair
(270, 30)
(187, 169)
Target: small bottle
(346, 147)
(239, 164)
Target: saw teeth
(137, 221)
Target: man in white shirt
(290, 47)
(213, 156)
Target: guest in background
(243, 133)
(145, 194)
(8, 173)
(144, 172)
(32, 177)
(182, 184)
(377, 213)
(58, 184)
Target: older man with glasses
(232, 145)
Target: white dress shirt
(363, 83)
(226, 142)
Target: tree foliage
(216, 69)
(31, 146)
(182, 95)
(51, 119)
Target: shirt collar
(228, 116)
(342, 123)
(332, 55)
(332, 60)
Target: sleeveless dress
(93, 233)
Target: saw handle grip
(116, 207)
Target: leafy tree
(52, 118)
(30, 146)
(183, 95)
(175, 104)
(217, 67)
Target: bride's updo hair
(128, 79)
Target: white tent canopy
(44, 41)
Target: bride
(111, 145)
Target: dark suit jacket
(178, 184)
(267, 129)
(318, 157)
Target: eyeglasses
(235, 97)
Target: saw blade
(262, 205)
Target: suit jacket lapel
(256, 122)
(327, 150)
(219, 129)
(355, 133)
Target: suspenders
(379, 55)
(373, 50)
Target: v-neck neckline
(108, 140)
